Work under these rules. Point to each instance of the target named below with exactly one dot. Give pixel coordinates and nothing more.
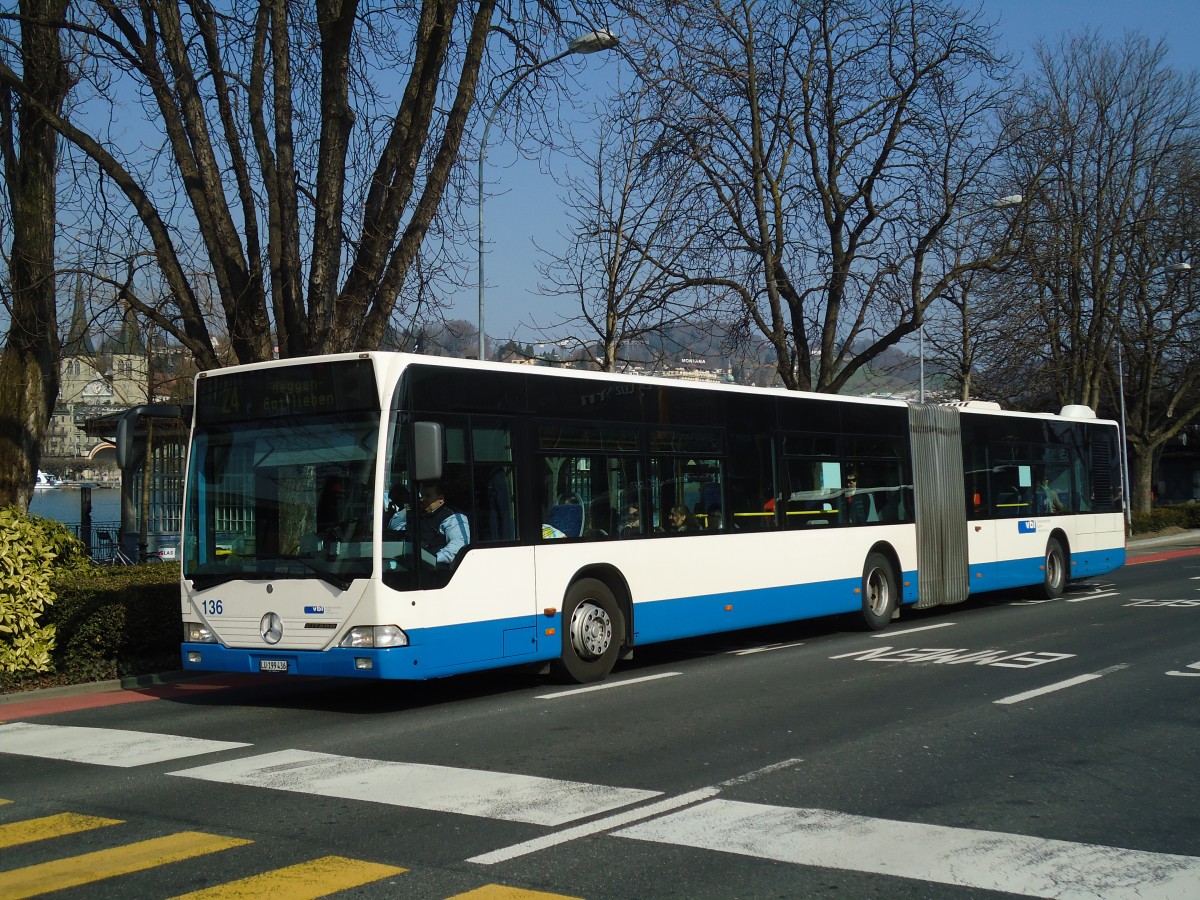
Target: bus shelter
(151, 445)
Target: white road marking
(580, 831)
(759, 773)
(986, 860)
(765, 649)
(1093, 596)
(608, 685)
(470, 792)
(1060, 685)
(1195, 665)
(896, 634)
(103, 746)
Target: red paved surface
(46, 706)
(1161, 557)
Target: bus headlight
(375, 636)
(195, 633)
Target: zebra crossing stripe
(986, 860)
(102, 746)
(74, 871)
(31, 830)
(303, 881)
(472, 792)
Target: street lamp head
(1180, 268)
(593, 42)
(1010, 200)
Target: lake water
(62, 504)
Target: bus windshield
(278, 487)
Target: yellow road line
(49, 827)
(303, 881)
(500, 892)
(76, 870)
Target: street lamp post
(592, 42)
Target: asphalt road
(999, 747)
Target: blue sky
(524, 206)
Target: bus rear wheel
(593, 630)
(1054, 570)
(879, 592)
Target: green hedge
(1160, 518)
(95, 622)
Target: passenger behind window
(1048, 501)
(682, 520)
(712, 518)
(859, 506)
(631, 521)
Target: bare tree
(974, 325)
(1096, 134)
(29, 375)
(837, 140)
(1160, 327)
(633, 225)
(305, 152)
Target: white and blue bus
(592, 513)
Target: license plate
(272, 665)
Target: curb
(128, 683)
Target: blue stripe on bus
(668, 620)
(456, 649)
(1013, 573)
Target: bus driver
(444, 531)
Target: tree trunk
(1141, 479)
(29, 367)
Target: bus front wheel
(879, 592)
(593, 630)
(1054, 570)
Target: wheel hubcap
(1053, 569)
(591, 631)
(877, 592)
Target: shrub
(1162, 517)
(29, 547)
(64, 620)
(116, 621)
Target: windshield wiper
(341, 582)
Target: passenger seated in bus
(631, 521)
(712, 519)
(1048, 500)
(859, 507)
(682, 520)
(444, 531)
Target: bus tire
(880, 592)
(593, 631)
(1054, 570)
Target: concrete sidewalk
(1182, 540)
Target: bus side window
(494, 483)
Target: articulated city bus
(386, 515)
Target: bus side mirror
(429, 450)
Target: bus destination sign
(306, 389)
